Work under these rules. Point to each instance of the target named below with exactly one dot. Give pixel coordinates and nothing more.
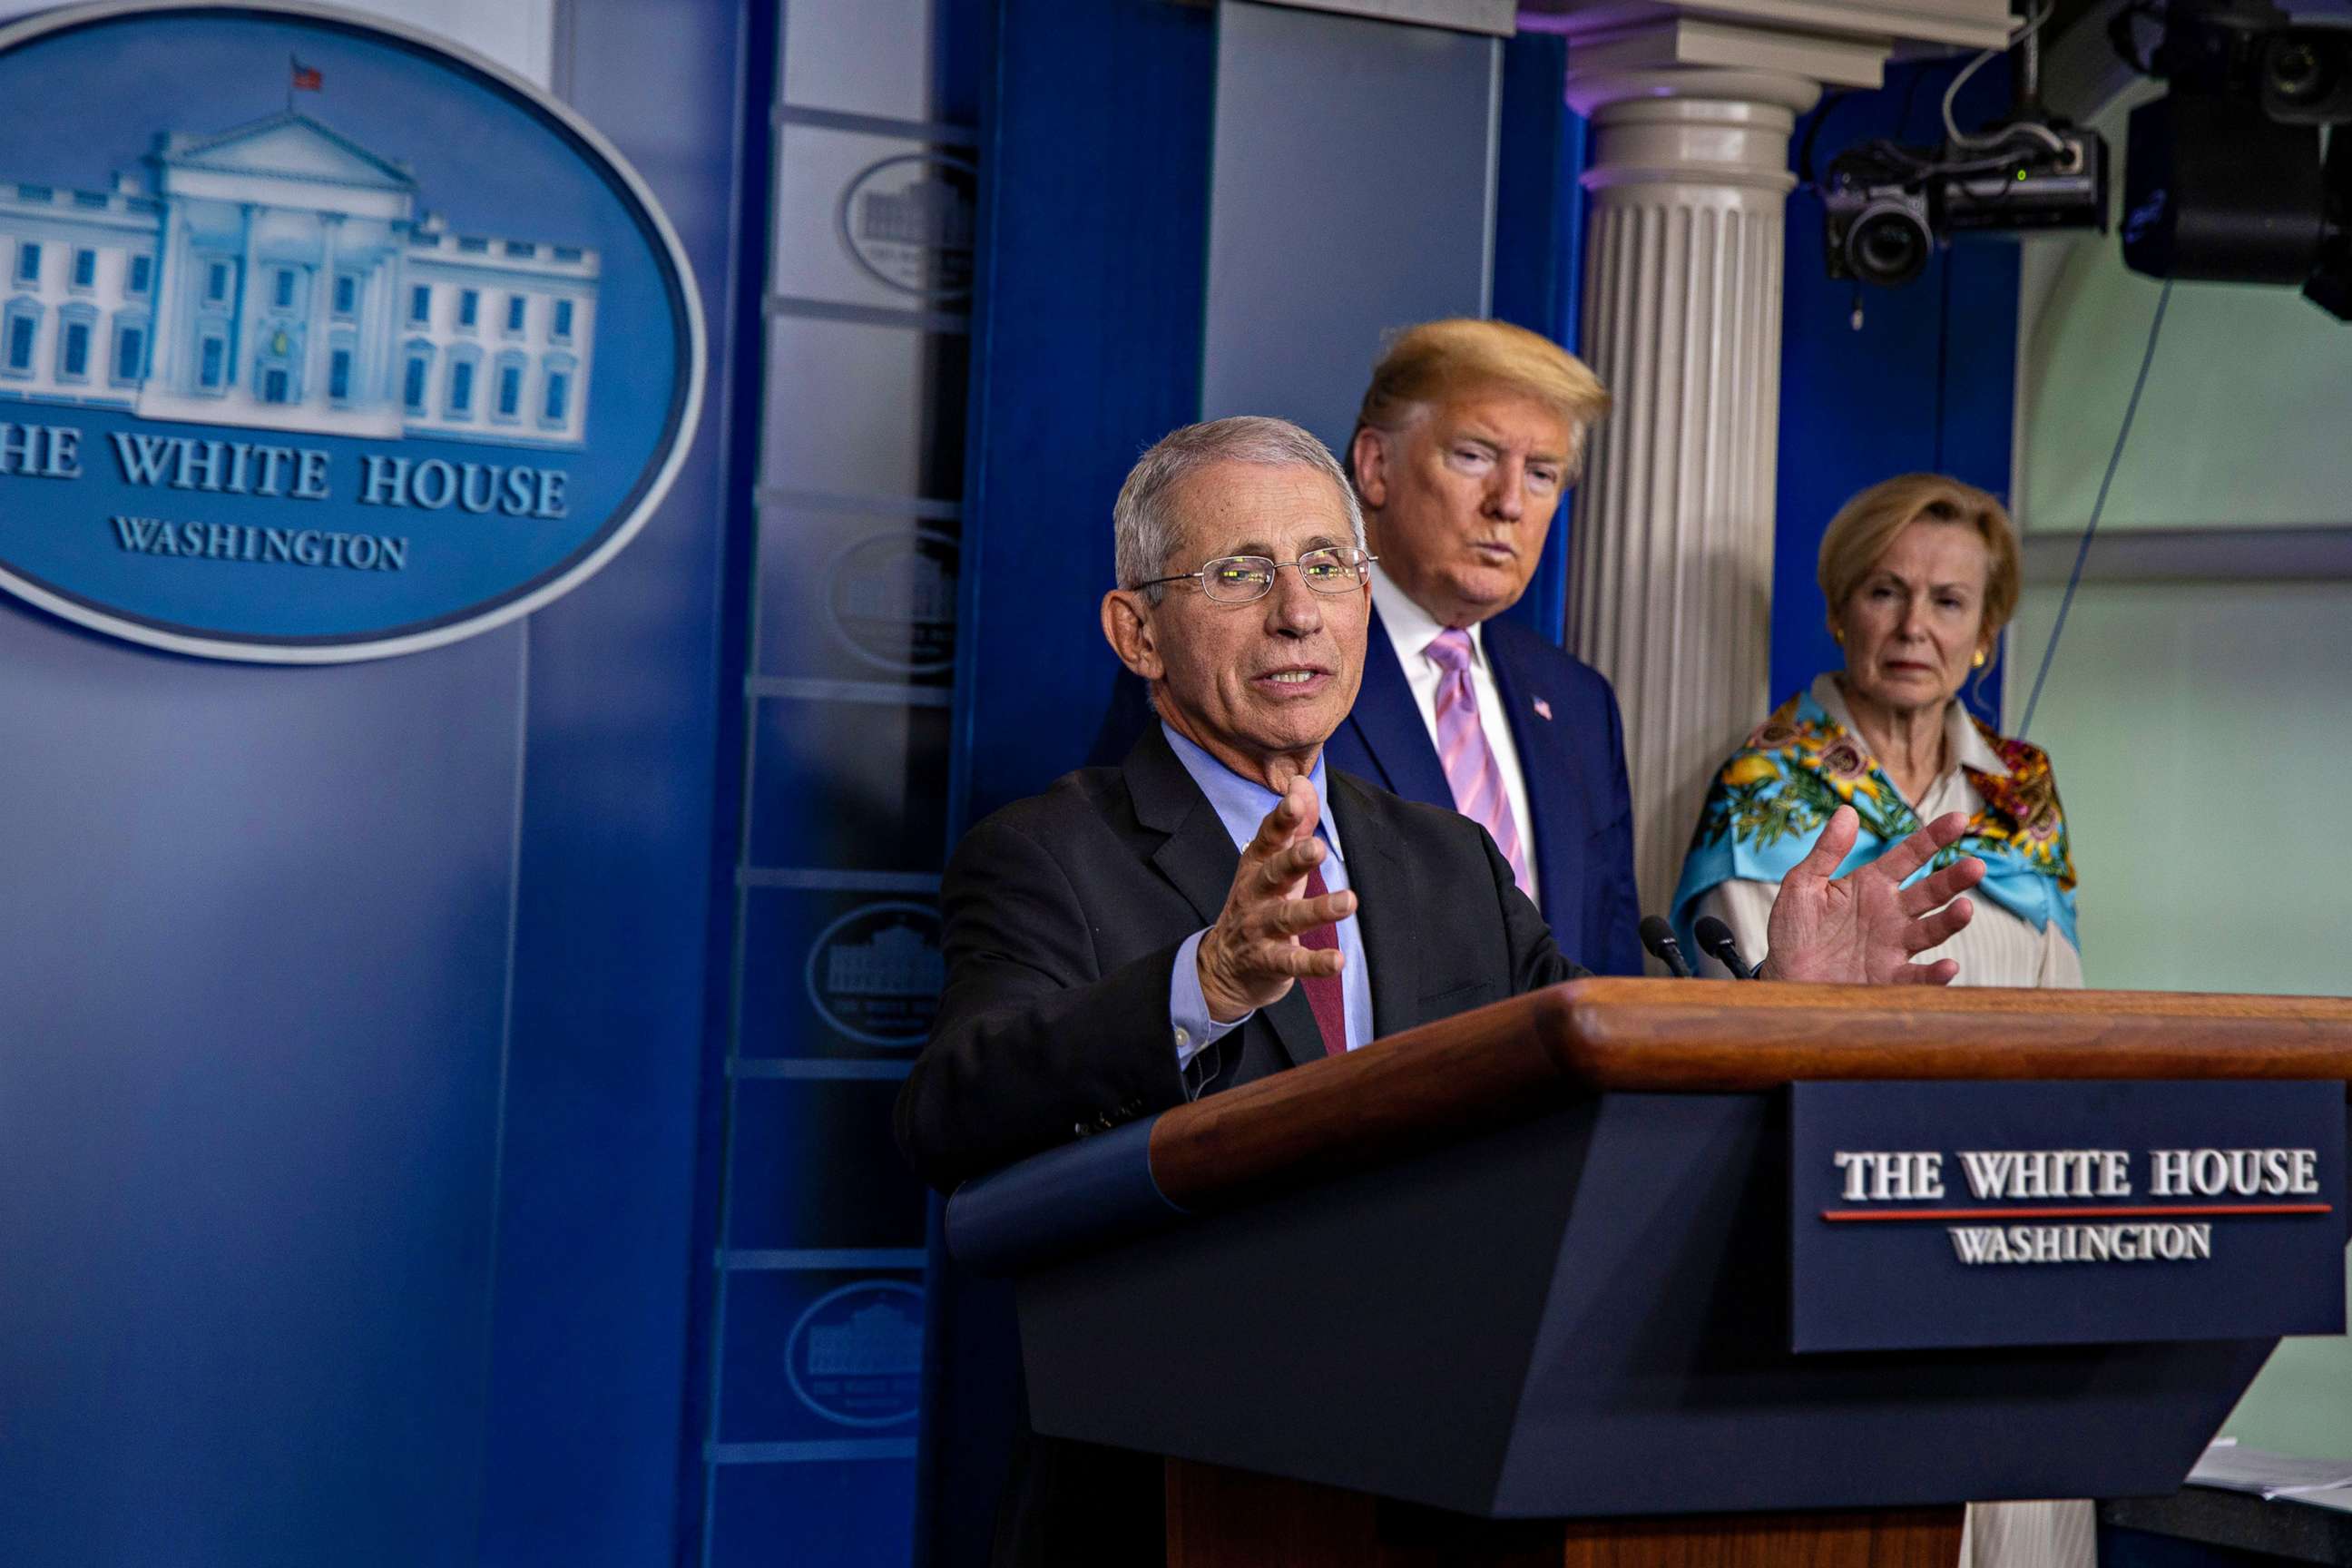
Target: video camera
(2223, 177)
(1888, 206)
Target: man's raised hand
(1864, 928)
(1249, 957)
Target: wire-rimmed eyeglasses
(1245, 579)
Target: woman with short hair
(1919, 573)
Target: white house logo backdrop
(318, 341)
(856, 1356)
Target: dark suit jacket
(1573, 764)
(1064, 914)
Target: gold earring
(1977, 662)
(1837, 635)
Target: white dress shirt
(1995, 948)
(1411, 630)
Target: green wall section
(2199, 731)
(2242, 422)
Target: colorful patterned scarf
(1768, 805)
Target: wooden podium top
(1435, 1083)
(1538, 1261)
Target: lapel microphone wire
(2083, 552)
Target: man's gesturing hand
(1864, 927)
(1251, 955)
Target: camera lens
(2307, 76)
(1888, 245)
(2299, 73)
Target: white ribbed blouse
(1996, 948)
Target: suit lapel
(1194, 852)
(1384, 908)
(1198, 857)
(1550, 767)
(1388, 721)
(1295, 1028)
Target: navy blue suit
(1573, 764)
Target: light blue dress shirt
(1241, 804)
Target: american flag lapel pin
(1543, 707)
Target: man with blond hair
(1469, 434)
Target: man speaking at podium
(1223, 905)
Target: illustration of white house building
(899, 961)
(879, 1341)
(277, 275)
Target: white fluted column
(1672, 589)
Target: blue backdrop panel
(1538, 254)
(614, 961)
(842, 1514)
(253, 934)
(350, 1099)
(863, 228)
(840, 972)
(1093, 224)
(850, 783)
(858, 595)
(864, 435)
(1976, 397)
(1320, 121)
(814, 1165)
(1928, 382)
(1091, 287)
(822, 1354)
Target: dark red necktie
(1325, 994)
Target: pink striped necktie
(1472, 772)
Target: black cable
(1813, 133)
(2083, 552)
(1897, 161)
(1835, 95)
(1910, 93)
(1886, 159)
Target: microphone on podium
(1715, 939)
(1659, 938)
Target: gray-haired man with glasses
(1222, 906)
